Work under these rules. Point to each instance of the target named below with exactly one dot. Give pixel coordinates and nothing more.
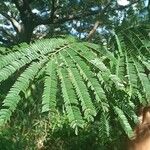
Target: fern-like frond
(144, 80)
(5, 60)
(90, 78)
(12, 62)
(70, 99)
(131, 76)
(12, 68)
(139, 43)
(101, 51)
(129, 112)
(13, 97)
(123, 121)
(104, 126)
(80, 88)
(83, 80)
(92, 58)
(119, 40)
(50, 87)
(121, 67)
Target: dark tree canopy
(25, 20)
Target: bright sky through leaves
(123, 2)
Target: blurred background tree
(27, 20)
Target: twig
(91, 33)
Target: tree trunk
(27, 33)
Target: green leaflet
(92, 79)
(70, 99)
(119, 44)
(89, 76)
(104, 127)
(129, 112)
(12, 62)
(145, 82)
(92, 58)
(121, 67)
(12, 68)
(13, 97)
(124, 122)
(81, 90)
(138, 42)
(131, 75)
(50, 87)
(6, 59)
(101, 51)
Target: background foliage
(67, 93)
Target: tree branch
(22, 6)
(68, 18)
(96, 25)
(28, 19)
(13, 21)
(81, 15)
(24, 9)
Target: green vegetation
(69, 93)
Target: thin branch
(96, 25)
(68, 18)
